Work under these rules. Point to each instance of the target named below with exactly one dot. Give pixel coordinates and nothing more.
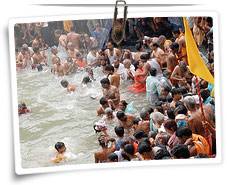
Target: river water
(59, 116)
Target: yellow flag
(196, 64)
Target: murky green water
(59, 116)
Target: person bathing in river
(110, 92)
(104, 104)
(22, 109)
(70, 87)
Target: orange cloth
(201, 144)
(68, 25)
(138, 87)
(81, 63)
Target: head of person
(135, 122)
(170, 113)
(109, 113)
(140, 64)
(127, 54)
(205, 93)
(64, 83)
(129, 150)
(180, 109)
(139, 135)
(116, 62)
(189, 102)
(119, 131)
(109, 69)
(154, 46)
(144, 148)
(183, 66)
(144, 114)
(162, 138)
(104, 102)
(170, 126)
(153, 71)
(112, 157)
(121, 116)
(122, 105)
(60, 147)
(54, 50)
(57, 33)
(180, 151)
(165, 90)
(86, 80)
(144, 57)
(105, 82)
(161, 40)
(127, 63)
(176, 94)
(157, 118)
(70, 46)
(57, 61)
(36, 49)
(37, 36)
(181, 120)
(24, 48)
(174, 47)
(102, 141)
(183, 133)
(110, 46)
(176, 32)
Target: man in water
(72, 51)
(70, 87)
(54, 52)
(113, 76)
(38, 58)
(110, 92)
(74, 38)
(102, 155)
(24, 57)
(112, 52)
(59, 68)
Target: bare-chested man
(112, 52)
(24, 57)
(54, 52)
(72, 51)
(179, 75)
(38, 58)
(113, 76)
(59, 68)
(125, 121)
(102, 155)
(180, 39)
(158, 53)
(74, 38)
(37, 43)
(110, 92)
(171, 57)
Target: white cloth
(122, 72)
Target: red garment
(138, 87)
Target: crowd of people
(153, 58)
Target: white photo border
(109, 15)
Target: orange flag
(196, 64)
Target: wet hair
(59, 145)
(136, 121)
(139, 134)
(105, 81)
(174, 46)
(175, 91)
(170, 113)
(129, 149)
(171, 125)
(103, 101)
(39, 67)
(113, 157)
(183, 131)
(205, 93)
(109, 68)
(181, 109)
(153, 71)
(120, 115)
(143, 113)
(64, 83)
(119, 131)
(162, 154)
(86, 80)
(124, 103)
(155, 45)
(180, 151)
(144, 147)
